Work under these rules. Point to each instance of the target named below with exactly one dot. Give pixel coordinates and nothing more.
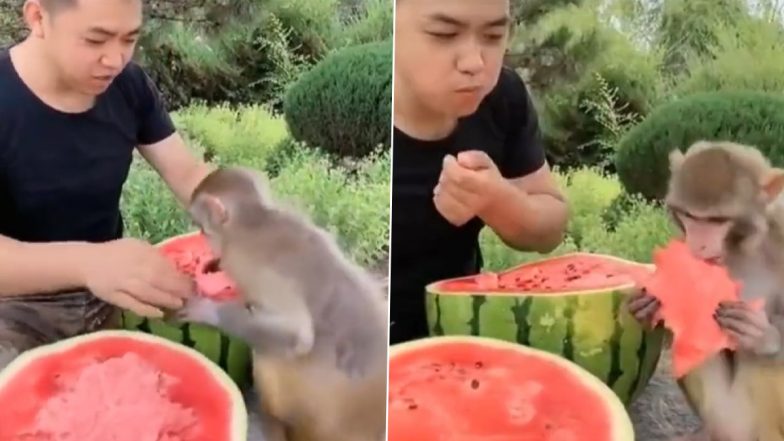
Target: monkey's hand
(199, 309)
(644, 307)
(750, 327)
(354, 360)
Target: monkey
(314, 319)
(724, 199)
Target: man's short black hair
(57, 5)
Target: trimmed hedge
(747, 117)
(342, 104)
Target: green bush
(342, 105)
(355, 208)
(374, 23)
(589, 192)
(589, 79)
(248, 61)
(747, 56)
(748, 117)
(352, 203)
(248, 135)
(615, 212)
(644, 227)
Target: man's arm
(529, 213)
(180, 169)
(34, 268)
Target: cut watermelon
(571, 305)
(475, 389)
(191, 254)
(120, 386)
(690, 290)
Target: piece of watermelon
(120, 386)
(690, 290)
(190, 252)
(572, 305)
(466, 388)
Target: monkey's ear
(676, 158)
(773, 183)
(208, 211)
(216, 211)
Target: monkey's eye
(250, 307)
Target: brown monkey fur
(316, 322)
(724, 198)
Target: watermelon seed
(412, 406)
(474, 384)
(478, 365)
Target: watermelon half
(466, 388)
(191, 254)
(571, 305)
(121, 386)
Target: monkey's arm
(528, 213)
(263, 330)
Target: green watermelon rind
(622, 353)
(621, 424)
(239, 413)
(230, 353)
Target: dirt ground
(661, 413)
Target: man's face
(93, 41)
(449, 53)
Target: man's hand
(134, 275)
(467, 185)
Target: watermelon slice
(690, 290)
(191, 254)
(479, 389)
(120, 386)
(572, 305)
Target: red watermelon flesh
(191, 254)
(115, 388)
(690, 290)
(469, 389)
(572, 272)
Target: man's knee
(13, 342)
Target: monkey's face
(717, 204)
(210, 215)
(214, 242)
(711, 234)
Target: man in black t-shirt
(467, 152)
(72, 110)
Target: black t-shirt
(425, 246)
(61, 174)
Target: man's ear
(772, 184)
(34, 16)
